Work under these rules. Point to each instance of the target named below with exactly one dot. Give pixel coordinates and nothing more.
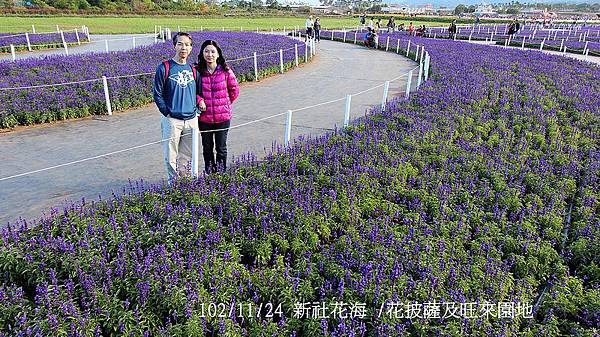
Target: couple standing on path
(182, 91)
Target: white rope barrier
(87, 42)
(7, 36)
(318, 105)
(118, 76)
(45, 33)
(50, 85)
(367, 90)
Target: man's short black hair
(180, 34)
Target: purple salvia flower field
(47, 104)
(481, 189)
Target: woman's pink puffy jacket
(219, 91)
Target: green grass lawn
(139, 24)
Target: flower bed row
(47, 104)
(591, 33)
(552, 41)
(572, 46)
(482, 188)
(39, 41)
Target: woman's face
(210, 54)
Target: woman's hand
(202, 106)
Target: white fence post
(195, 152)
(305, 52)
(296, 53)
(281, 60)
(62, 36)
(347, 110)
(417, 53)
(28, 42)
(387, 44)
(12, 52)
(523, 43)
(427, 58)
(106, 45)
(354, 37)
(33, 29)
(586, 47)
(542, 44)
(57, 29)
(408, 48)
(288, 128)
(422, 54)
(133, 42)
(408, 83)
(420, 75)
(107, 96)
(77, 36)
(255, 67)
(398, 47)
(344, 36)
(386, 88)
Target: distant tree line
(141, 6)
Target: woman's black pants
(211, 141)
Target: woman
(216, 90)
(317, 29)
(391, 25)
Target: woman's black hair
(201, 65)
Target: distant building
(445, 11)
(408, 9)
(484, 10)
(319, 9)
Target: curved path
(337, 70)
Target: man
(174, 92)
(309, 28)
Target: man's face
(183, 47)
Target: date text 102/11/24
(241, 310)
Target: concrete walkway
(337, 70)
